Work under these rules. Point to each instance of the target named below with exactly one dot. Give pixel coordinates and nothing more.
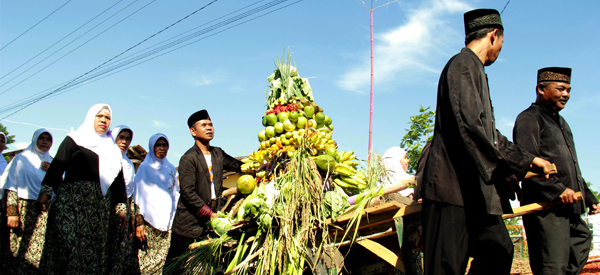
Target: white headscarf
(396, 173)
(128, 167)
(156, 189)
(24, 174)
(3, 162)
(109, 155)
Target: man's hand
(513, 182)
(594, 209)
(12, 221)
(43, 201)
(568, 196)
(541, 164)
(214, 215)
(140, 233)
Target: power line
(109, 59)
(504, 7)
(35, 25)
(25, 123)
(164, 41)
(75, 48)
(86, 82)
(84, 79)
(61, 40)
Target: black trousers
(451, 235)
(559, 243)
(179, 245)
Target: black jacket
(194, 183)
(547, 135)
(469, 159)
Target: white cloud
(159, 124)
(17, 146)
(206, 79)
(411, 48)
(505, 126)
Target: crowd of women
(87, 211)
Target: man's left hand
(594, 209)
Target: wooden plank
(409, 210)
(550, 167)
(383, 253)
(367, 222)
(535, 207)
(381, 208)
(369, 237)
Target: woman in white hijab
(3, 163)
(396, 161)
(156, 194)
(22, 181)
(78, 217)
(120, 243)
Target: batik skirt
(26, 242)
(152, 254)
(77, 230)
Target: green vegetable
(335, 203)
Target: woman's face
(124, 140)
(160, 148)
(102, 121)
(404, 163)
(44, 142)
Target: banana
(246, 160)
(341, 183)
(353, 181)
(344, 169)
(351, 163)
(348, 155)
(351, 157)
(361, 175)
(361, 184)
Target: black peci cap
(554, 74)
(482, 18)
(200, 115)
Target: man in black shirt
(200, 181)
(465, 179)
(558, 239)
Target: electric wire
(191, 36)
(27, 99)
(504, 7)
(85, 81)
(87, 78)
(166, 40)
(35, 25)
(61, 39)
(74, 48)
(144, 61)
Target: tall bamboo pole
(371, 109)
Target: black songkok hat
(554, 74)
(200, 115)
(482, 18)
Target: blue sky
(329, 40)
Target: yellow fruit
(246, 184)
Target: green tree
(9, 138)
(596, 194)
(421, 131)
